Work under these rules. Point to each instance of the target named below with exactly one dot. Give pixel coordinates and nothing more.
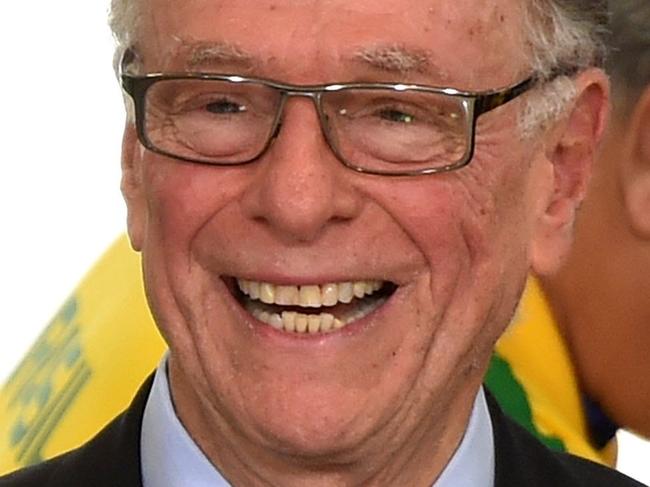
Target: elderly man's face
(448, 252)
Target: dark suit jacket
(112, 459)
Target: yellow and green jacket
(532, 377)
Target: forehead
(311, 39)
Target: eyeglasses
(377, 128)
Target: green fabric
(511, 396)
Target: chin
(312, 418)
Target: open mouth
(312, 308)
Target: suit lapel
(520, 459)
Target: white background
(61, 120)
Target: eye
(225, 107)
(395, 115)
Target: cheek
(472, 229)
(458, 220)
(469, 229)
(182, 198)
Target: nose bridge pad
(315, 98)
(323, 118)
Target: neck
(390, 457)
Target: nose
(300, 188)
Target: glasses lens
(390, 131)
(210, 120)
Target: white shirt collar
(170, 458)
(473, 462)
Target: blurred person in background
(574, 366)
(601, 295)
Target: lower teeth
(292, 321)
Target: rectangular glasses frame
(476, 104)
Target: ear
(570, 147)
(131, 186)
(636, 175)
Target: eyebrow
(393, 59)
(397, 59)
(212, 54)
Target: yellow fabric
(89, 361)
(539, 359)
(84, 368)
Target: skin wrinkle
(396, 421)
(416, 436)
(242, 457)
(461, 361)
(476, 175)
(384, 478)
(202, 336)
(222, 427)
(484, 210)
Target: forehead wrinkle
(398, 59)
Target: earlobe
(636, 182)
(131, 186)
(569, 155)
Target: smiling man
(337, 204)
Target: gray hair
(564, 36)
(629, 62)
(123, 20)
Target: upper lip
(307, 282)
(320, 279)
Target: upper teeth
(310, 296)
